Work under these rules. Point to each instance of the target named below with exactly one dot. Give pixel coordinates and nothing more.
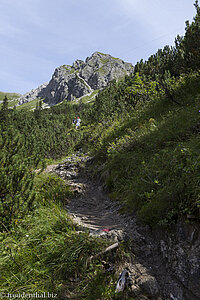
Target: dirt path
(93, 210)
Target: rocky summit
(80, 79)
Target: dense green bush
(50, 187)
(143, 132)
(149, 156)
(45, 252)
(16, 179)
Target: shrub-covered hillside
(151, 155)
(11, 97)
(143, 132)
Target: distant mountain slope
(80, 79)
(12, 98)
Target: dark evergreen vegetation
(144, 134)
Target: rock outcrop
(180, 251)
(82, 78)
(33, 94)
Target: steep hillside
(149, 153)
(80, 79)
(132, 165)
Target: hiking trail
(92, 210)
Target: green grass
(85, 99)
(101, 53)
(51, 161)
(46, 252)
(10, 96)
(12, 99)
(104, 60)
(31, 105)
(150, 156)
(106, 55)
(67, 67)
(91, 98)
(101, 70)
(72, 70)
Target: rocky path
(92, 209)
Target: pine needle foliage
(143, 132)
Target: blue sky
(39, 35)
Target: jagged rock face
(69, 82)
(181, 254)
(33, 94)
(65, 84)
(100, 68)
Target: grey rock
(65, 84)
(142, 282)
(33, 94)
(80, 79)
(105, 68)
(149, 285)
(180, 252)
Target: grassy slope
(12, 98)
(8, 95)
(31, 105)
(44, 252)
(150, 160)
(151, 156)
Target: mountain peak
(100, 54)
(82, 78)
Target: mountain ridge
(82, 78)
